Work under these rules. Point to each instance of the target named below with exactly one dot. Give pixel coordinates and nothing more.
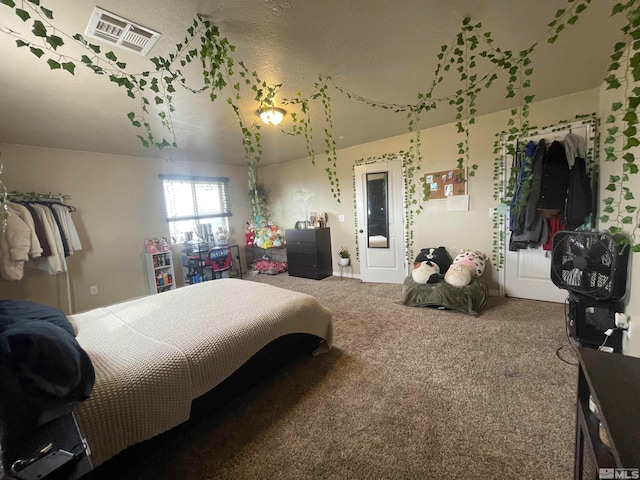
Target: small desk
(613, 382)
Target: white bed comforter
(154, 355)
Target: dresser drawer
(303, 271)
(300, 247)
(293, 236)
(302, 259)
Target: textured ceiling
(382, 50)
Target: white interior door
(380, 215)
(527, 272)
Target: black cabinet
(309, 253)
(611, 382)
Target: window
(197, 207)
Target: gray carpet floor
(405, 393)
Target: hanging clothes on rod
(40, 233)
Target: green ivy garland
(620, 207)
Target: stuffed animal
(427, 272)
(458, 275)
(438, 255)
(473, 259)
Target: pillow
(17, 310)
(40, 352)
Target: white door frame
(393, 267)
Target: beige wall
(119, 203)
(434, 226)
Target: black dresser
(309, 253)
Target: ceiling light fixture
(272, 115)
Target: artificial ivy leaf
(23, 14)
(21, 43)
(611, 188)
(633, 168)
(608, 201)
(95, 48)
(111, 56)
(136, 123)
(145, 143)
(630, 132)
(631, 118)
(55, 41)
(39, 30)
(572, 20)
(8, 3)
(608, 209)
(69, 67)
(86, 59)
(47, 13)
(35, 2)
(629, 196)
(614, 178)
(619, 48)
(604, 218)
(610, 119)
(626, 220)
(616, 106)
(131, 116)
(80, 38)
(613, 130)
(53, 65)
(121, 65)
(38, 52)
(617, 8)
(630, 208)
(631, 142)
(158, 100)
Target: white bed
(154, 355)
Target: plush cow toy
(466, 265)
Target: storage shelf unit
(160, 272)
(194, 262)
(309, 253)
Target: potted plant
(344, 256)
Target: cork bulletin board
(445, 183)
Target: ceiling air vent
(114, 29)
